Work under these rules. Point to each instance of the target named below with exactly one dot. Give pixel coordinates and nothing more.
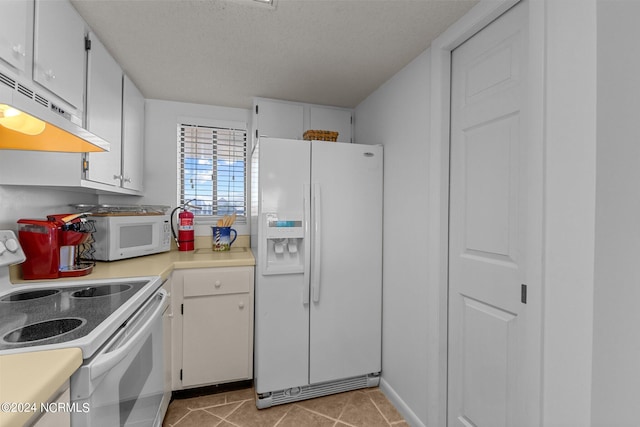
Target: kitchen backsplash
(36, 202)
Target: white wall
(569, 236)
(160, 150)
(34, 202)
(616, 341)
(397, 116)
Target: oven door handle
(104, 362)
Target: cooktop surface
(62, 315)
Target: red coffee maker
(53, 246)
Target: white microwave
(120, 237)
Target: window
(213, 170)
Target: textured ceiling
(225, 52)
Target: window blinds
(213, 169)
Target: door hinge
(180, 374)
(85, 165)
(256, 133)
(351, 119)
(181, 308)
(256, 108)
(87, 43)
(523, 293)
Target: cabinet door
(59, 54)
(132, 136)
(280, 119)
(216, 339)
(104, 113)
(333, 119)
(14, 24)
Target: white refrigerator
(317, 219)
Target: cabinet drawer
(218, 281)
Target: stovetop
(60, 314)
(32, 316)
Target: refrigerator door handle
(306, 201)
(317, 242)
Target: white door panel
(491, 228)
(345, 318)
(489, 335)
(281, 317)
(282, 185)
(333, 119)
(282, 333)
(59, 54)
(104, 113)
(278, 119)
(488, 216)
(14, 21)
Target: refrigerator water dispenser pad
(284, 245)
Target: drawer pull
(241, 305)
(217, 284)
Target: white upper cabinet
(132, 136)
(15, 26)
(86, 84)
(278, 119)
(284, 119)
(333, 119)
(59, 55)
(104, 112)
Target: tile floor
(359, 408)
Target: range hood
(31, 121)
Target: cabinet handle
(50, 75)
(241, 305)
(217, 283)
(119, 177)
(127, 180)
(19, 50)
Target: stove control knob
(12, 245)
(3, 248)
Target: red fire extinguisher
(185, 238)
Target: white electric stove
(117, 323)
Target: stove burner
(100, 291)
(27, 295)
(43, 330)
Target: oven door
(123, 384)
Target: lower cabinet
(213, 326)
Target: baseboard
(310, 391)
(210, 389)
(409, 416)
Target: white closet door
(490, 210)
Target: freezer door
(284, 170)
(346, 252)
(281, 306)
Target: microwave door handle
(104, 362)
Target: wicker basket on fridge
(320, 135)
